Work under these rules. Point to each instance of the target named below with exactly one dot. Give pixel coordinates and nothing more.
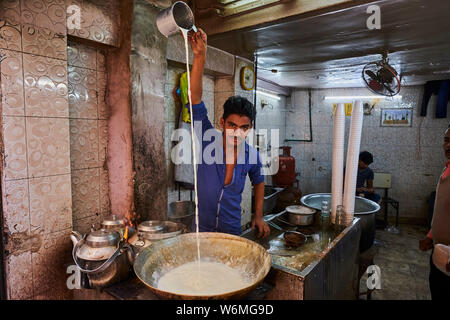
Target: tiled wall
(99, 21)
(271, 116)
(414, 173)
(88, 135)
(50, 150)
(36, 176)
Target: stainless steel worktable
(325, 269)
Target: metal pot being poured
(178, 15)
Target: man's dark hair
(239, 105)
(366, 157)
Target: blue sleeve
(255, 172)
(200, 114)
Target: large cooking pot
(165, 255)
(365, 210)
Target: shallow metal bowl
(247, 256)
(363, 206)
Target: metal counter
(316, 271)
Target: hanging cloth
(442, 89)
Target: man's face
(447, 144)
(236, 128)
(362, 165)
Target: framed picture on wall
(396, 117)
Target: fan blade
(385, 75)
(372, 75)
(388, 88)
(375, 85)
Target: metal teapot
(102, 256)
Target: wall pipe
(310, 124)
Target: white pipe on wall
(352, 161)
(337, 176)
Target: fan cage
(385, 92)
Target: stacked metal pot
(106, 256)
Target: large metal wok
(239, 253)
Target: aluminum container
(300, 215)
(170, 20)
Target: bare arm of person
(427, 243)
(370, 188)
(198, 42)
(258, 221)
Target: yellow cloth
(184, 97)
(348, 108)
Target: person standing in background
(438, 238)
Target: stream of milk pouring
(185, 34)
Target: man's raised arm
(198, 42)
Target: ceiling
(328, 49)
(226, 8)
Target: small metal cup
(170, 20)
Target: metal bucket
(182, 212)
(170, 20)
(239, 253)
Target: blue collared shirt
(219, 206)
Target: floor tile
(404, 268)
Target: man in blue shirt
(366, 176)
(221, 182)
